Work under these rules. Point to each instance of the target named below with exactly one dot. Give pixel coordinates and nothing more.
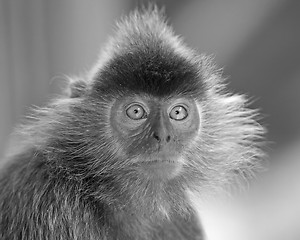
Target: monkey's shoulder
(36, 203)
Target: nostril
(156, 136)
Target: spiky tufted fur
(72, 179)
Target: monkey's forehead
(146, 56)
(156, 73)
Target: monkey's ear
(76, 88)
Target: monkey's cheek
(161, 169)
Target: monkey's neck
(146, 209)
(147, 198)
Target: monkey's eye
(178, 113)
(136, 112)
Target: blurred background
(256, 41)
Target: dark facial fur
(89, 171)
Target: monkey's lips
(161, 168)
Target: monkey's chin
(161, 169)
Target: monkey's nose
(161, 137)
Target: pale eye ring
(178, 113)
(136, 112)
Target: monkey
(120, 155)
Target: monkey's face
(153, 117)
(155, 133)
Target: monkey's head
(153, 116)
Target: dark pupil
(136, 111)
(177, 112)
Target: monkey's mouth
(157, 161)
(161, 168)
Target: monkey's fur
(74, 179)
